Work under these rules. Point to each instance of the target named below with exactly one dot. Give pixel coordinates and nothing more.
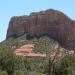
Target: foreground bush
(3, 73)
(19, 72)
(6, 59)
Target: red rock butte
(51, 23)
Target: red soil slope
(27, 50)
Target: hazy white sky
(9, 8)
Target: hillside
(33, 57)
(42, 43)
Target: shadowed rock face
(50, 22)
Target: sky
(9, 8)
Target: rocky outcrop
(50, 22)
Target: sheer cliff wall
(51, 22)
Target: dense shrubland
(43, 43)
(16, 65)
(10, 64)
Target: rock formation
(50, 22)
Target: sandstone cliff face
(50, 22)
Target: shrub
(19, 72)
(3, 73)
